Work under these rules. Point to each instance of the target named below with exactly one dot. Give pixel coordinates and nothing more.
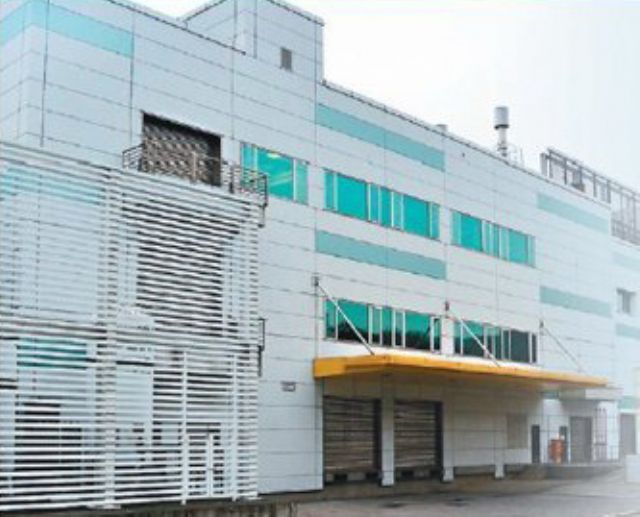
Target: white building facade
(429, 309)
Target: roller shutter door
(418, 438)
(351, 438)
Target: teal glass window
(472, 333)
(478, 235)
(518, 247)
(288, 178)
(398, 327)
(385, 207)
(519, 346)
(417, 331)
(376, 326)
(301, 182)
(416, 216)
(397, 210)
(330, 190)
(279, 169)
(434, 221)
(330, 316)
(374, 203)
(470, 232)
(352, 197)
(387, 326)
(358, 315)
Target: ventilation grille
(128, 337)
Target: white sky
(568, 70)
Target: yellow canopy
(470, 368)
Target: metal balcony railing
(625, 231)
(198, 168)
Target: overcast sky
(569, 71)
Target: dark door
(351, 439)
(628, 443)
(535, 444)
(418, 438)
(581, 430)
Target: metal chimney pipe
(501, 124)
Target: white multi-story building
(408, 305)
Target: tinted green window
(376, 326)
(352, 197)
(434, 220)
(279, 169)
(457, 338)
(249, 157)
(330, 314)
(473, 333)
(534, 348)
(519, 346)
(491, 238)
(417, 331)
(358, 315)
(387, 326)
(397, 214)
(398, 328)
(374, 203)
(494, 341)
(330, 190)
(302, 182)
(518, 247)
(470, 232)
(385, 206)
(416, 216)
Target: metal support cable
(565, 350)
(365, 343)
(475, 338)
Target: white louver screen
(128, 337)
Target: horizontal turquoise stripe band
(629, 404)
(36, 13)
(572, 213)
(574, 302)
(627, 262)
(628, 331)
(376, 135)
(352, 249)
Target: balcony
(198, 168)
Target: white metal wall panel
(128, 337)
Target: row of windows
(288, 179)
(476, 234)
(380, 205)
(382, 326)
(507, 344)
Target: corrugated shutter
(417, 435)
(350, 436)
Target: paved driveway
(600, 497)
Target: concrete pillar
(499, 444)
(387, 427)
(448, 445)
(447, 336)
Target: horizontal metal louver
(128, 337)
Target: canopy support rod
(365, 343)
(544, 329)
(475, 338)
